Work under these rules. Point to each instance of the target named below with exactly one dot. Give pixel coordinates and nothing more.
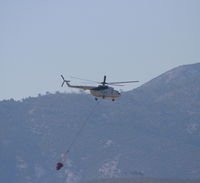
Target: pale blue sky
(124, 39)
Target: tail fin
(65, 81)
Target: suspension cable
(84, 123)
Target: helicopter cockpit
(101, 87)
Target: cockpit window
(100, 87)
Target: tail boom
(75, 86)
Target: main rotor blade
(122, 82)
(85, 79)
(104, 80)
(115, 84)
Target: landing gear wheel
(113, 99)
(96, 98)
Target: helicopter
(103, 90)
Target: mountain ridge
(154, 129)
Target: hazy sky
(123, 39)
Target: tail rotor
(64, 81)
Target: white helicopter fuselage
(104, 92)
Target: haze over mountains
(152, 131)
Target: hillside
(144, 180)
(152, 131)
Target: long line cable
(84, 123)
